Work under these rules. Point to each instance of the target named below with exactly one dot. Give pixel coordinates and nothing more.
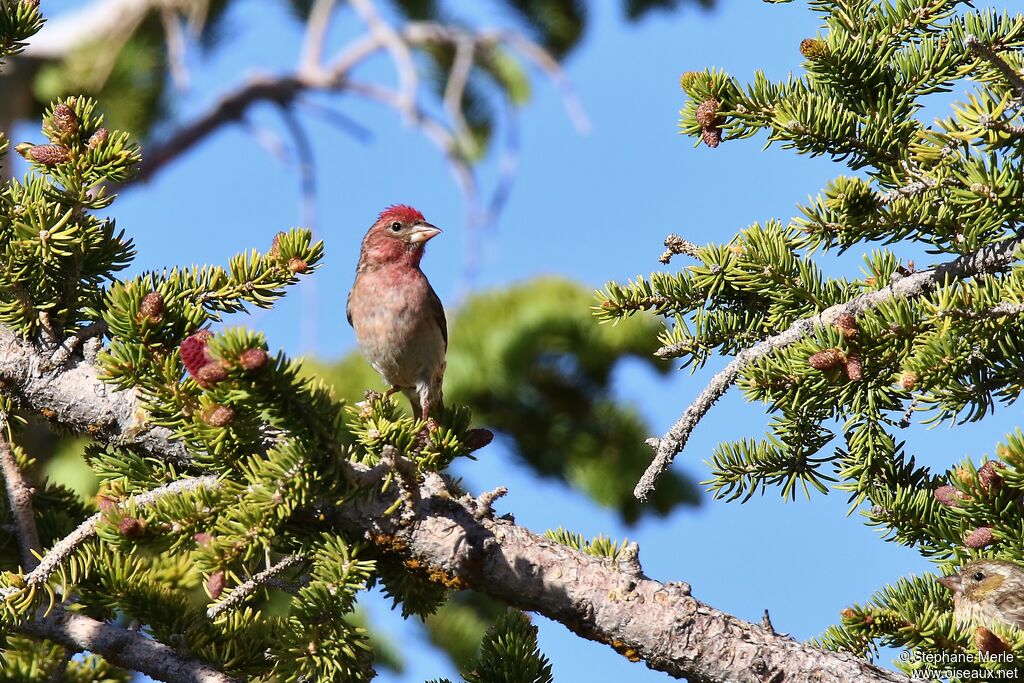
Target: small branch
(1011, 129)
(458, 78)
(121, 647)
(1000, 310)
(674, 244)
(484, 503)
(988, 259)
(547, 63)
(175, 38)
(316, 31)
(87, 529)
(405, 476)
(70, 345)
(19, 496)
(244, 590)
(408, 82)
(982, 50)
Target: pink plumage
(398, 318)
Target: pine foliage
(839, 395)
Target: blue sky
(594, 207)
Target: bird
(987, 592)
(397, 316)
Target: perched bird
(987, 592)
(397, 316)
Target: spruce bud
(131, 527)
(813, 49)
(47, 155)
(210, 374)
(65, 120)
(98, 138)
(854, 367)
(152, 308)
(979, 538)
(252, 359)
(847, 324)
(827, 359)
(215, 584)
(950, 496)
(989, 476)
(707, 113)
(217, 415)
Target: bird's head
(979, 580)
(398, 236)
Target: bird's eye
(978, 576)
(396, 226)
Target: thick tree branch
(989, 259)
(71, 395)
(658, 623)
(643, 619)
(123, 648)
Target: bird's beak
(953, 583)
(423, 232)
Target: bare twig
(121, 647)
(175, 38)
(982, 50)
(674, 244)
(19, 495)
(408, 81)
(316, 31)
(337, 119)
(986, 260)
(70, 345)
(458, 78)
(484, 503)
(244, 590)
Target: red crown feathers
(400, 212)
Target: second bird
(398, 318)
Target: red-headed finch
(398, 319)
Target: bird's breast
(394, 325)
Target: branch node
(484, 504)
(674, 244)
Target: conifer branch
(244, 590)
(989, 259)
(659, 623)
(19, 497)
(86, 530)
(121, 647)
(981, 49)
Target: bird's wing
(348, 307)
(438, 311)
(1011, 607)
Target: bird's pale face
(398, 236)
(978, 581)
